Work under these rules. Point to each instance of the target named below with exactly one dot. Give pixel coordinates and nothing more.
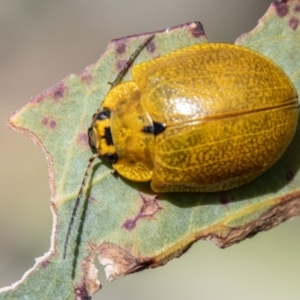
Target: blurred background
(41, 43)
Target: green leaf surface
(124, 223)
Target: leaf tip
(197, 29)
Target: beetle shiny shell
(205, 118)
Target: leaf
(124, 223)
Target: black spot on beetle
(148, 129)
(155, 129)
(158, 127)
(107, 136)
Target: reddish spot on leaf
(129, 224)
(83, 139)
(149, 207)
(293, 23)
(49, 123)
(197, 30)
(120, 47)
(56, 92)
(120, 64)
(297, 8)
(151, 47)
(52, 124)
(281, 8)
(86, 77)
(44, 263)
(290, 176)
(92, 199)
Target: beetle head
(100, 138)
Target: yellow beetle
(204, 118)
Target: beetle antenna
(127, 65)
(130, 60)
(88, 168)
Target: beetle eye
(91, 139)
(103, 115)
(112, 157)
